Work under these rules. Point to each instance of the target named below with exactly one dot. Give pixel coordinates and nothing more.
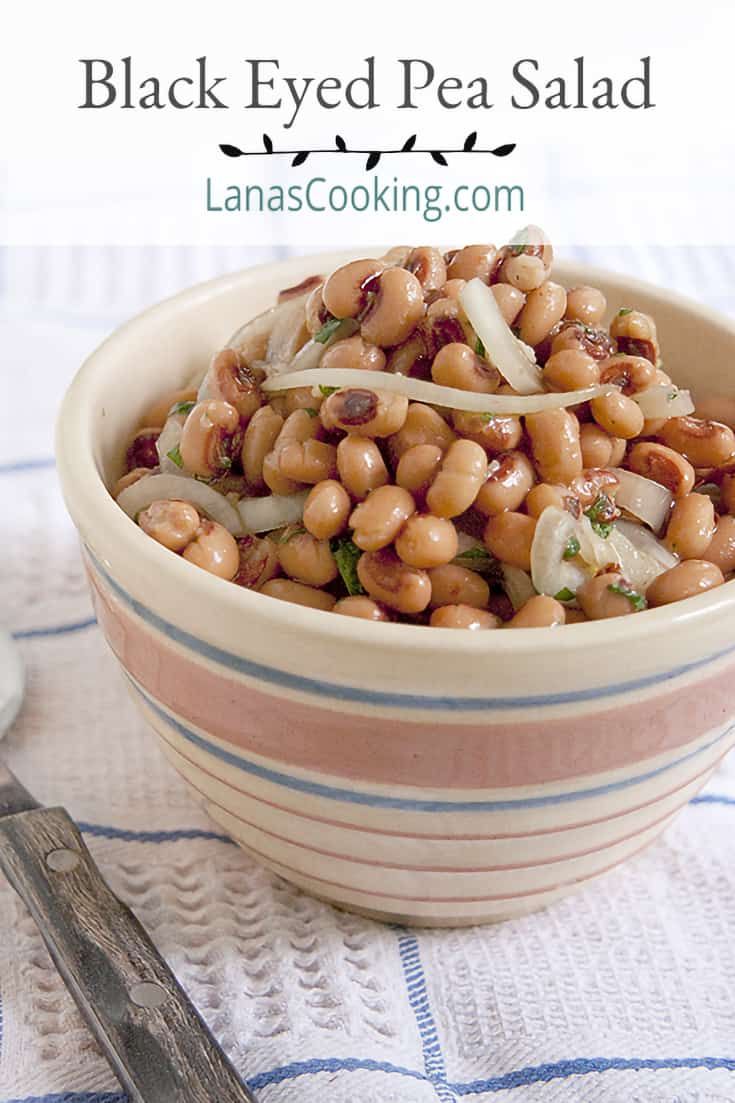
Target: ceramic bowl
(426, 776)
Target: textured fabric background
(623, 992)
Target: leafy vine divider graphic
(298, 156)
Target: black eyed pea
(571, 370)
(364, 608)
(390, 581)
(214, 550)
(231, 380)
(426, 541)
(417, 469)
(378, 520)
(605, 596)
(464, 616)
(472, 262)
(298, 593)
(555, 443)
(297, 398)
(353, 354)
(664, 465)
(258, 561)
(326, 509)
(635, 334)
(694, 576)
(543, 495)
(703, 443)
(508, 536)
(172, 523)
(598, 447)
(210, 438)
(455, 585)
(494, 432)
(396, 310)
(306, 559)
(366, 413)
(691, 527)
(574, 335)
(452, 289)
(423, 425)
(308, 461)
(721, 549)
(510, 301)
(618, 415)
(457, 365)
(458, 481)
(540, 611)
(544, 307)
(507, 486)
(345, 294)
(585, 304)
(361, 466)
(630, 373)
(260, 437)
(298, 427)
(528, 259)
(428, 266)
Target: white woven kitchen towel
(625, 992)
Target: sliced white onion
(265, 514)
(420, 390)
(502, 348)
(636, 565)
(517, 585)
(152, 488)
(169, 439)
(647, 500)
(257, 331)
(289, 332)
(593, 548)
(664, 402)
(643, 539)
(551, 573)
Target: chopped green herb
(519, 248)
(479, 348)
(311, 411)
(672, 395)
(326, 391)
(181, 408)
(564, 595)
(637, 600)
(625, 310)
(487, 419)
(346, 555)
(328, 330)
(602, 514)
(175, 456)
(572, 548)
(471, 554)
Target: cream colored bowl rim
(115, 536)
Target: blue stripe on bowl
(355, 694)
(405, 804)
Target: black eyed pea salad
(452, 440)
